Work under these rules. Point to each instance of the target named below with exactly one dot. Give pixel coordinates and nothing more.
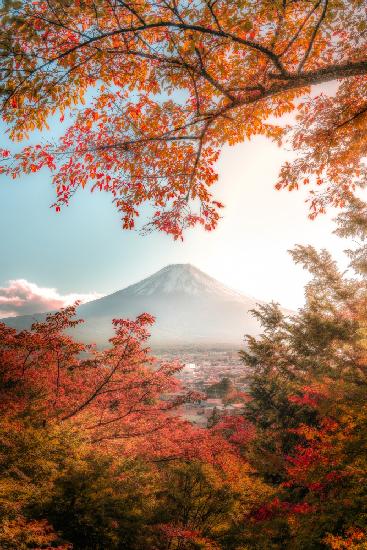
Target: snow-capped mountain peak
(183, 279)
(190, 307)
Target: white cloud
(22, 297)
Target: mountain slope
(191, 308)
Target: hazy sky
(84, 250)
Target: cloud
(21, 297)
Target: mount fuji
(191, 309)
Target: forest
(93, 456)
(94, 453)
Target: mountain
(191, 308)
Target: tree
(204, 507)
(221, 389)
(308, 406)
(175, 81)
(103, 501)
(91, 440)
(116, 397)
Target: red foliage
(115, 396)
(236, 429)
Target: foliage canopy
(172, 82)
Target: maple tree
(115, 396)
(166, 84)
(92, 441)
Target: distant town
(219, 375)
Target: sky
(49, 259)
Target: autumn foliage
(95, 452)
(308, 388)
(93, 449)
(152, 90)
